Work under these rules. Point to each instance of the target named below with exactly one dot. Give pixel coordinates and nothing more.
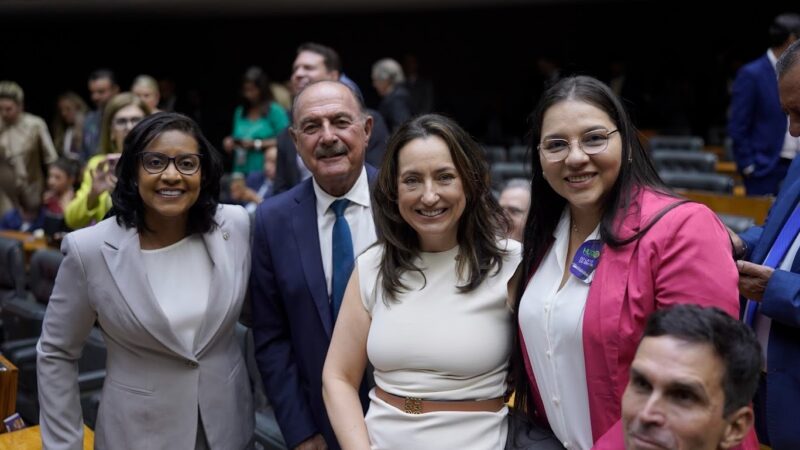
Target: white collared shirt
(359, 218)
(551, 321)
(791, 144)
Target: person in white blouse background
(428, 304)
(164, 279)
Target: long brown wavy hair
(479, 227)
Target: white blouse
(551, 321)
(180, 277)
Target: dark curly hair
(127, 203)
(480, 225)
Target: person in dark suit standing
(304, 245)
(769, 275)
(316, 62)
(761, 146)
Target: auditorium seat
(518, 153)
(267, 432)
(12, 269)
(501, 172)
(662, 142)
(684, 161)
(711, 182)
(737, 223)
(495, 153)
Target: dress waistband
(414, 405)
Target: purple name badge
(586, 259)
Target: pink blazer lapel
(601, 322)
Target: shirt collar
(772, 58)
(358, 194)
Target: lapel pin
(225, 235)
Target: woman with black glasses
(606, 243)
(164, 279)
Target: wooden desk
(30, 243)
(755, 207)
(30, 439)
(9, 376)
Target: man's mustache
(328, 152)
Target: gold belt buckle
(413, 405)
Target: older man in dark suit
(316, 62)
(769, 275)
(304, 244)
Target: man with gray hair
(316, 62)
(388, 79)
(515, 199)
(304, 243)
(769, 277)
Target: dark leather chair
(518, 153)
(737, 223)
(495, 153)
(267, 432)
(712, 182)
(91, 374)
(501, 172)
(685, 161)
(690, 143)
(22, 318)
(43, 270)
(12, 269)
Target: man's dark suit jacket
(287, 174)
(292, 320)
(781, 303)
(757, 124)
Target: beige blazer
(154, 388)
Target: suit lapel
(602, 313)
(306, 233)
(223, 285)
(124, 259)
(778, 216)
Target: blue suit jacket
(781, 303)
(292, 320)
(757, 124)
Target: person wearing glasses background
(606, 243)
(165, 279)
(93, 199)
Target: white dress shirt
(551, 320)
(359, 218)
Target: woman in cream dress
(427, 305)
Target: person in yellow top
(93, 199)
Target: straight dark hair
(479, 227)
(260, 80)
(734, 343)
(636, 172)
(127, 203)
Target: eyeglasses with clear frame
(155, 162)
(591, 143)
